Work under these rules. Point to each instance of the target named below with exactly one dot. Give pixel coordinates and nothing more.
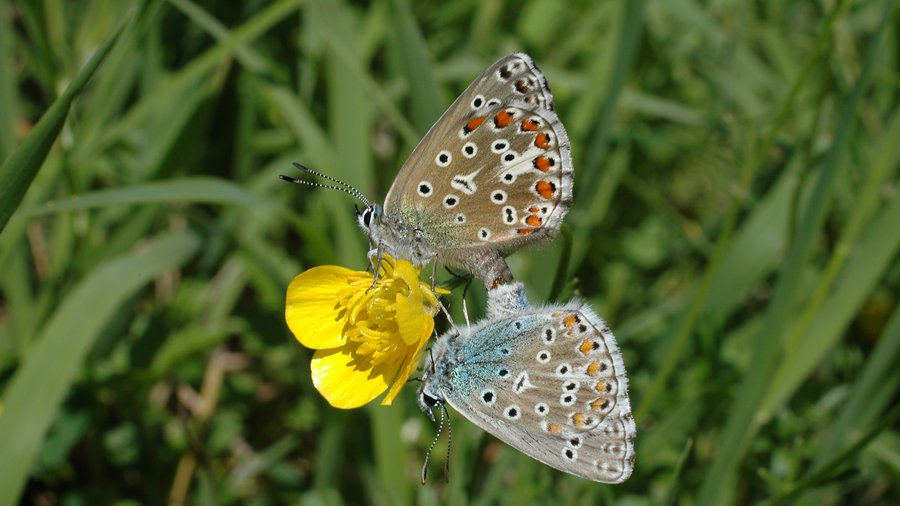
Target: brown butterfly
(492, 175)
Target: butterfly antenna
(433, 443)
(449, 438)
(338, 184)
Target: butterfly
(548, 381)
(492, 175)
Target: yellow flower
(367, 337)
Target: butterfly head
(429, 396)
(368, 217)
(427, 401)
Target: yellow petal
(310, 307)
(341, 383)
(403, 374)
(412, 319)
(408, 273)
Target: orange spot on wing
(542, 141)
(525, 231)
(568, 321)
(586, 346)
(542, 163)
(474, 123)
(533, 220)
(532, 209)
(529, 125)
(554, 428)
(593, 368)
(600, 386)
(599, 403)
(503, 119)
(545, 189)
(578, 419)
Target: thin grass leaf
(883, 358)
(676, 475)
(20, 169)
(393, 482)
(860, 263)
(426, 100)
(200, 190)
(9, 102)
(631, 31)
(825, 472)
(740, 427)
(54, 361)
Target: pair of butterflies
(495, 174)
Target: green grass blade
(9, 110)
(20, 169)
(201, 190)
(823, 473)
(739, 427)
(882, 360)
(672, 493)
(865, 262)
(54, 361)
(625, 55)
(427, 104)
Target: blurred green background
(736, 221)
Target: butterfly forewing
(552, 384)
(495, 171)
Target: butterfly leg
(444, 310)
(433, 269)
(375, 257)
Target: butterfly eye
(366, 217)
(429, 400)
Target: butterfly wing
(550, 383)
(494, 172)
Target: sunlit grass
(734, 220)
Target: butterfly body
(548, 381)
(492, 175)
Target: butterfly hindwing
(551, 383)
(494, 172)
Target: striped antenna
(338, 184)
